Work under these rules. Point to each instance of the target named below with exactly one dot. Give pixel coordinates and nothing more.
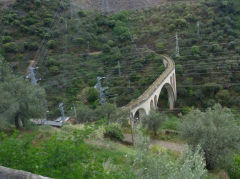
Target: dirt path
(175, 147)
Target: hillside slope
(77, 49)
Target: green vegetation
(189, 165)
(72, 50)
(63, 155)
(114, 132)
(234, 169)
(207, 65)
(153, 121)
(19, 100)
(215, 131)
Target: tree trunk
(208, 164)
(23, 123)
(108, 117)
(155, 132)
(17, 121)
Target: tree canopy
(19, 100)
(214, 130)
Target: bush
(84, 114)
(189, 165)
(6, 39)
(56, 157)
(106, 48)
(114, 132)
(82, 14)
(234, 170)
(160, 46)
(92, 95)
(195, 50)
(51, 44)
(181, 23)
(79, 41)
(171, 123)
(31, 46)
(10, 47)
(48, 22)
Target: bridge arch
(170, 93)
(139, 114)
(152, 105)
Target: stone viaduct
(149, 99)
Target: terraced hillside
(81, 45)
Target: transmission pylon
(100, 89)
(32, 76)
(61, 107)
(119, 69)
(198, 29)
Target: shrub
(189, 165)
(84, 114)
(48, 21)
(31, 46)
(160, 46)
(56, 157)
(223, 97)
(234, 170)
(114, 132)
(181, 23)
(110, 43)
(92, 95)
(10, 47)
(79, 41)
(51, 44)
(171, 123)
(195, 50)
(82, 14)
(106, 48)
(6, 39)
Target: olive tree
(112, 114)
(214, 130)
(84, 114)
(148, 165)
(153, 121)
(19, 99)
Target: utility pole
(61, 107)
(119, 69)
(71, 9)
(31, 75)
(100, 89)
(177, 46)
(66, 32)
(75, 111)
(198, 29)
(88, 47)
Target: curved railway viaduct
(149, 99)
